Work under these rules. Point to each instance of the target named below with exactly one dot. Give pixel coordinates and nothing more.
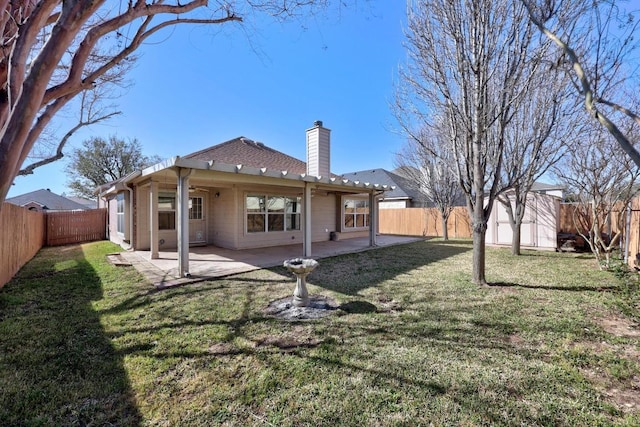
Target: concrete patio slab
(207, 262)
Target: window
(166, 211)
(356, 213)
(195, 208)
(272, 213)
(120, 213)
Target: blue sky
(198, 86)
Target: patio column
(182, 219)
(373, 219)
(153, 219)
(306, 237)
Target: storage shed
(540, 225)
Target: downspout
(106, 205)
(130, 190)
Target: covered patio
(207, 262)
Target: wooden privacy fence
(64, 228)
(24, 232)
(423, 222)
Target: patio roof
(240, 169)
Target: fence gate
(64, 228)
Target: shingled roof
(403, 188)
(244, 151)
(46, 200)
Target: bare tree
(49, 147)
(429, 164)
(469, 62)
(602, 182)
(535, 141)
(596, 41)
(53, 50)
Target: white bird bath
(301, 267)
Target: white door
(504, 233)
(197, 220)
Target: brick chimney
(318, 150)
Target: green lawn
(555, 342)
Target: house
(240, 194)
(540, 224)
(46, 200)
(402, 193)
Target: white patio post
(153, 219)
(183, 221)
(373, 219)
(306, 212)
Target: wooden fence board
(64, 228)
(24, 232)
(423, 222)
(21, 236)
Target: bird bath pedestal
(301, 267)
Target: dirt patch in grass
(223, 348)
(388, 305)
(318, 307)
(625, 395)
(622, 391)
(289, 343)
(619, 326)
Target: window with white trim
(166, 211)
(120, 227)
(356, 213)
(267, 213)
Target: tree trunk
(445, 231)
(479, 234)
(515, 240)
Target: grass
(554, 343)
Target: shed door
(197, 222)
(504, 234)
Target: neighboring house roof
(47, 201)
(404, 188)
(87, 203)
(244, 151)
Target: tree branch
(28, 170)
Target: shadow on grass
(57, 365)
(555, 288)
(349, 274)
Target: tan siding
(318, 151)
(223, 219)
(323, 216)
